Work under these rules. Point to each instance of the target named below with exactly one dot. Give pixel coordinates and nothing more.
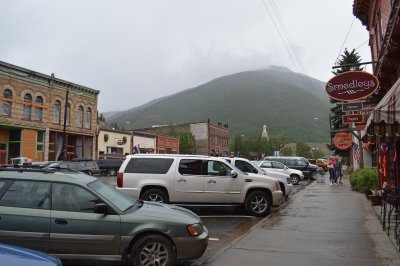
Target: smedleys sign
(352, 85)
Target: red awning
(388, 109)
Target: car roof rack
(26, 169)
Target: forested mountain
(287, 102)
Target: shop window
(14, 144)
(39, 110)
(27, 106)
(80, 116)
(57, 112)
(88, 117)
(40, 141)
(7, 94)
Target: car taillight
(120, 178)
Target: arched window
(80, 116)
(68, 112)
(88, 117)
(7, 94)
(57, 112)
(39, 110)
(27, 106)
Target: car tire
(283, 189)
(112, 172)
(314, 175)
(258, 203)
(295, 179)
(153, 250)
(155, 195)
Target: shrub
(363, 180)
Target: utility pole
(64, 144)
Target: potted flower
(375, 197)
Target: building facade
(113, 144)
(144, 142)
(382, 130)
(211, 139)
(33, 108)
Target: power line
(362, 44)
(345, 39)
(285, 37)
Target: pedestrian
(331, 168)
(339, 170)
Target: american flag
(356, 152)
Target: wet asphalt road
(224, 224)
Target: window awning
(388, 109)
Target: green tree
(286, 151)
(317, 153)
(303, 149)
(187, 142)
(336, 111)
(277, 142)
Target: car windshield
(113, 195)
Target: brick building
(211, 139)
(32, 113)
(382, 20)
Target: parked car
(246, 166)
(295, 175)
(89, 163)
(320, 163)
(73, 215)
(74, 166)
(299, 163)
(109, 166)
(196, 180)
(16, 256)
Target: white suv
(196, 180)
(246, 166)
(295, 174)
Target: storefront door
(3, 153)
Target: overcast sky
(136, 51)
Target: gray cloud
(136, 51)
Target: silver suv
(196, 180)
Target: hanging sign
(348, 119)
(352, 85)
(342, 140)
(355, 106)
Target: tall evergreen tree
(347, 58)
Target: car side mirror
(286, 167)
(234, 174)
(255, 171)
(101, 208)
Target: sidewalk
(322, 225)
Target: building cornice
(51, 82)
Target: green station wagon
(76, 216)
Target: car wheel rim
(155, 254)
(259, 204)
(295, 180)
(154, 198)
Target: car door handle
(211, 181)
(61, 221)
(181, 180)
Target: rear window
(149, 165)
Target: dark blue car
(16, 256)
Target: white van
(246, 166)
(196, 180)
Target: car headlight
(195, 229)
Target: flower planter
(376, 200)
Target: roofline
(43, 79)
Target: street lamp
(64, 143)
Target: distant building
(113, 143)
(264, 134)
(211, 139)
(32, 111)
